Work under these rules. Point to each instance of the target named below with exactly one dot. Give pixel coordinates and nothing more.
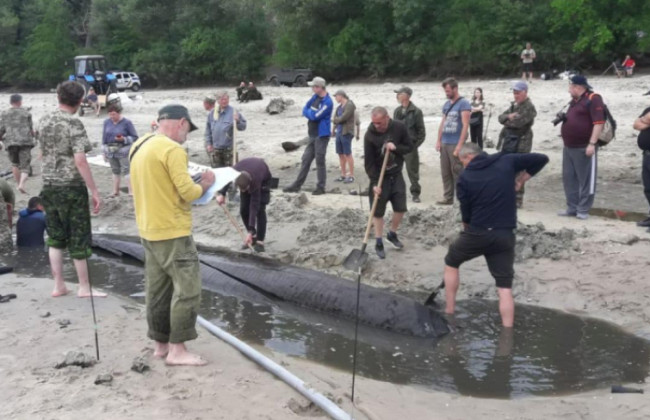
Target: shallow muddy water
(548, 353)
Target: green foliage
(49, 46)
(208, 41)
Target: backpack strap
(452, 106)
(139, 146)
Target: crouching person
(487, 192)
(254, 186)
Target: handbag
(475, 118)
(510, 142)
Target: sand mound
(534, 241)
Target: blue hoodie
(30, 228)
(486, 188)
(319, 115)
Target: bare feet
(115, 194)
(160, 350)
(22, 189)
(83, 293)
(186, 359)
(60, 292)
(179, 356)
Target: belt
(489, 229)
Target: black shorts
(497, 246)
(527, 67)
(393, 191)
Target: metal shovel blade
(356, 260)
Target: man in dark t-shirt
(643, 125)
(583, 125)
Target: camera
(560, 117)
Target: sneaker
(582, 216)
(318, 191)
(566, 213)
(340, 179)
(392, 238)
(379, 249)
(445, 202)
(291, 189)
(416, 199)
(644, 223)
(258, 247)
(348, 180)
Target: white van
(127, 80)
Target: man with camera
(517, 134)
(643, 141)
(582, 124)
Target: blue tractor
(92, 71)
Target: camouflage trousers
(6, 241)
(221, 158)
(67, 219)
(20, 157)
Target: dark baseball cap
(175, 112)
(15, 98)
(580, 81)
(404, 89)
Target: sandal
(349, 180)
(340, 179)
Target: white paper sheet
(222, 177)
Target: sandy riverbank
(598, 267)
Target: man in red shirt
(628, 67)
(581, 128)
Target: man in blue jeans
(318, 111)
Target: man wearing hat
(162, 194)
(17, 134)
(581, 128)
(343, 125)
(412, 117)
(318, 111)
(517, 134)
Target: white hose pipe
(333, 410)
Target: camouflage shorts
(221, 158)
(67, 219)
(20, 157)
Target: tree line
(172, 43)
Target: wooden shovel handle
(374, 202)
(234, 223)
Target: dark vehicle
(289, 76)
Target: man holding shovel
(385, 135)
(253, 183)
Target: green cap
(175, 112)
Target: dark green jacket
(413, 118)
(521, 125)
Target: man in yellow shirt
(162, 193)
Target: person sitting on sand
(93, 101)
(118, 135)
(162, 193)
(30, 228)
(66, 181)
